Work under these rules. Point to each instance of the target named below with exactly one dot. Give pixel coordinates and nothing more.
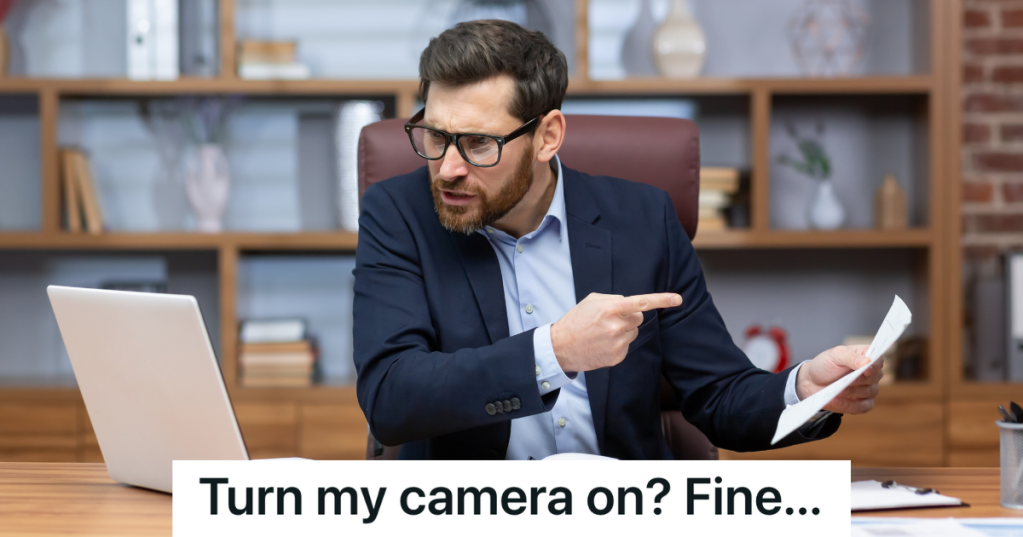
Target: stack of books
(80, 197)
(269, 60)
(276, 353)
(717, 186)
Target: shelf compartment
(748, 37)
(822, 296)
(32, 353)
(21, 153)
(317, 288)
(282, 155)
(866, 137)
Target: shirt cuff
(791, 397)
(549, 376)
(813, 425)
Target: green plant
(815, 162)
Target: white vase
(208, 183)
(679, 44)
(825, 211)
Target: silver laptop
(150, 381)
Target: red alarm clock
(767, 350)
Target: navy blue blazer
(431, 333)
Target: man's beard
(487, 211)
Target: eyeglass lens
(482, 150)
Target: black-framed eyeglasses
(482, 150)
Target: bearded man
(509, 307)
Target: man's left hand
(834, 364)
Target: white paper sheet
(576, 457)
(947, 527)
(795, 416)
(870, 495)
(986, 527)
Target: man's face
(467, 197)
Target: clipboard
(889, 495)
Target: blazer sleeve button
(507, 405)
(498, 407)
(491, 409)
(515, 403)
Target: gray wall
(20, 174)
(316, 288)
(819, 297)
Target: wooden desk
(80, 499)
(77, 499)
(978, 487)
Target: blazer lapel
(484, 272)
(590, 248)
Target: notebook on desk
(876, 496)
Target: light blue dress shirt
(539, 289)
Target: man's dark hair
(475, 51)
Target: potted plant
(825, 210)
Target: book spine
(71, 196)
(90, 199)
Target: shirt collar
(555, 213)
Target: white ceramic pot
(679, 44)
(208, 183)
(826, 211)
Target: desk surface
(77, 499)
(81, 499)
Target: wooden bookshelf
(886, 85)
(326, 422)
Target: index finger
(638, 303)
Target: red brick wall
(992, 126)
(992, 187)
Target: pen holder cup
(1011, 443)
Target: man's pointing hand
(597, 332)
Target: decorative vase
(637, 54)
(208, 182)
(826, 211)
(679, 45)
(4, 53)
(890, 205)
(828, 37)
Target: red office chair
(663, 152)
